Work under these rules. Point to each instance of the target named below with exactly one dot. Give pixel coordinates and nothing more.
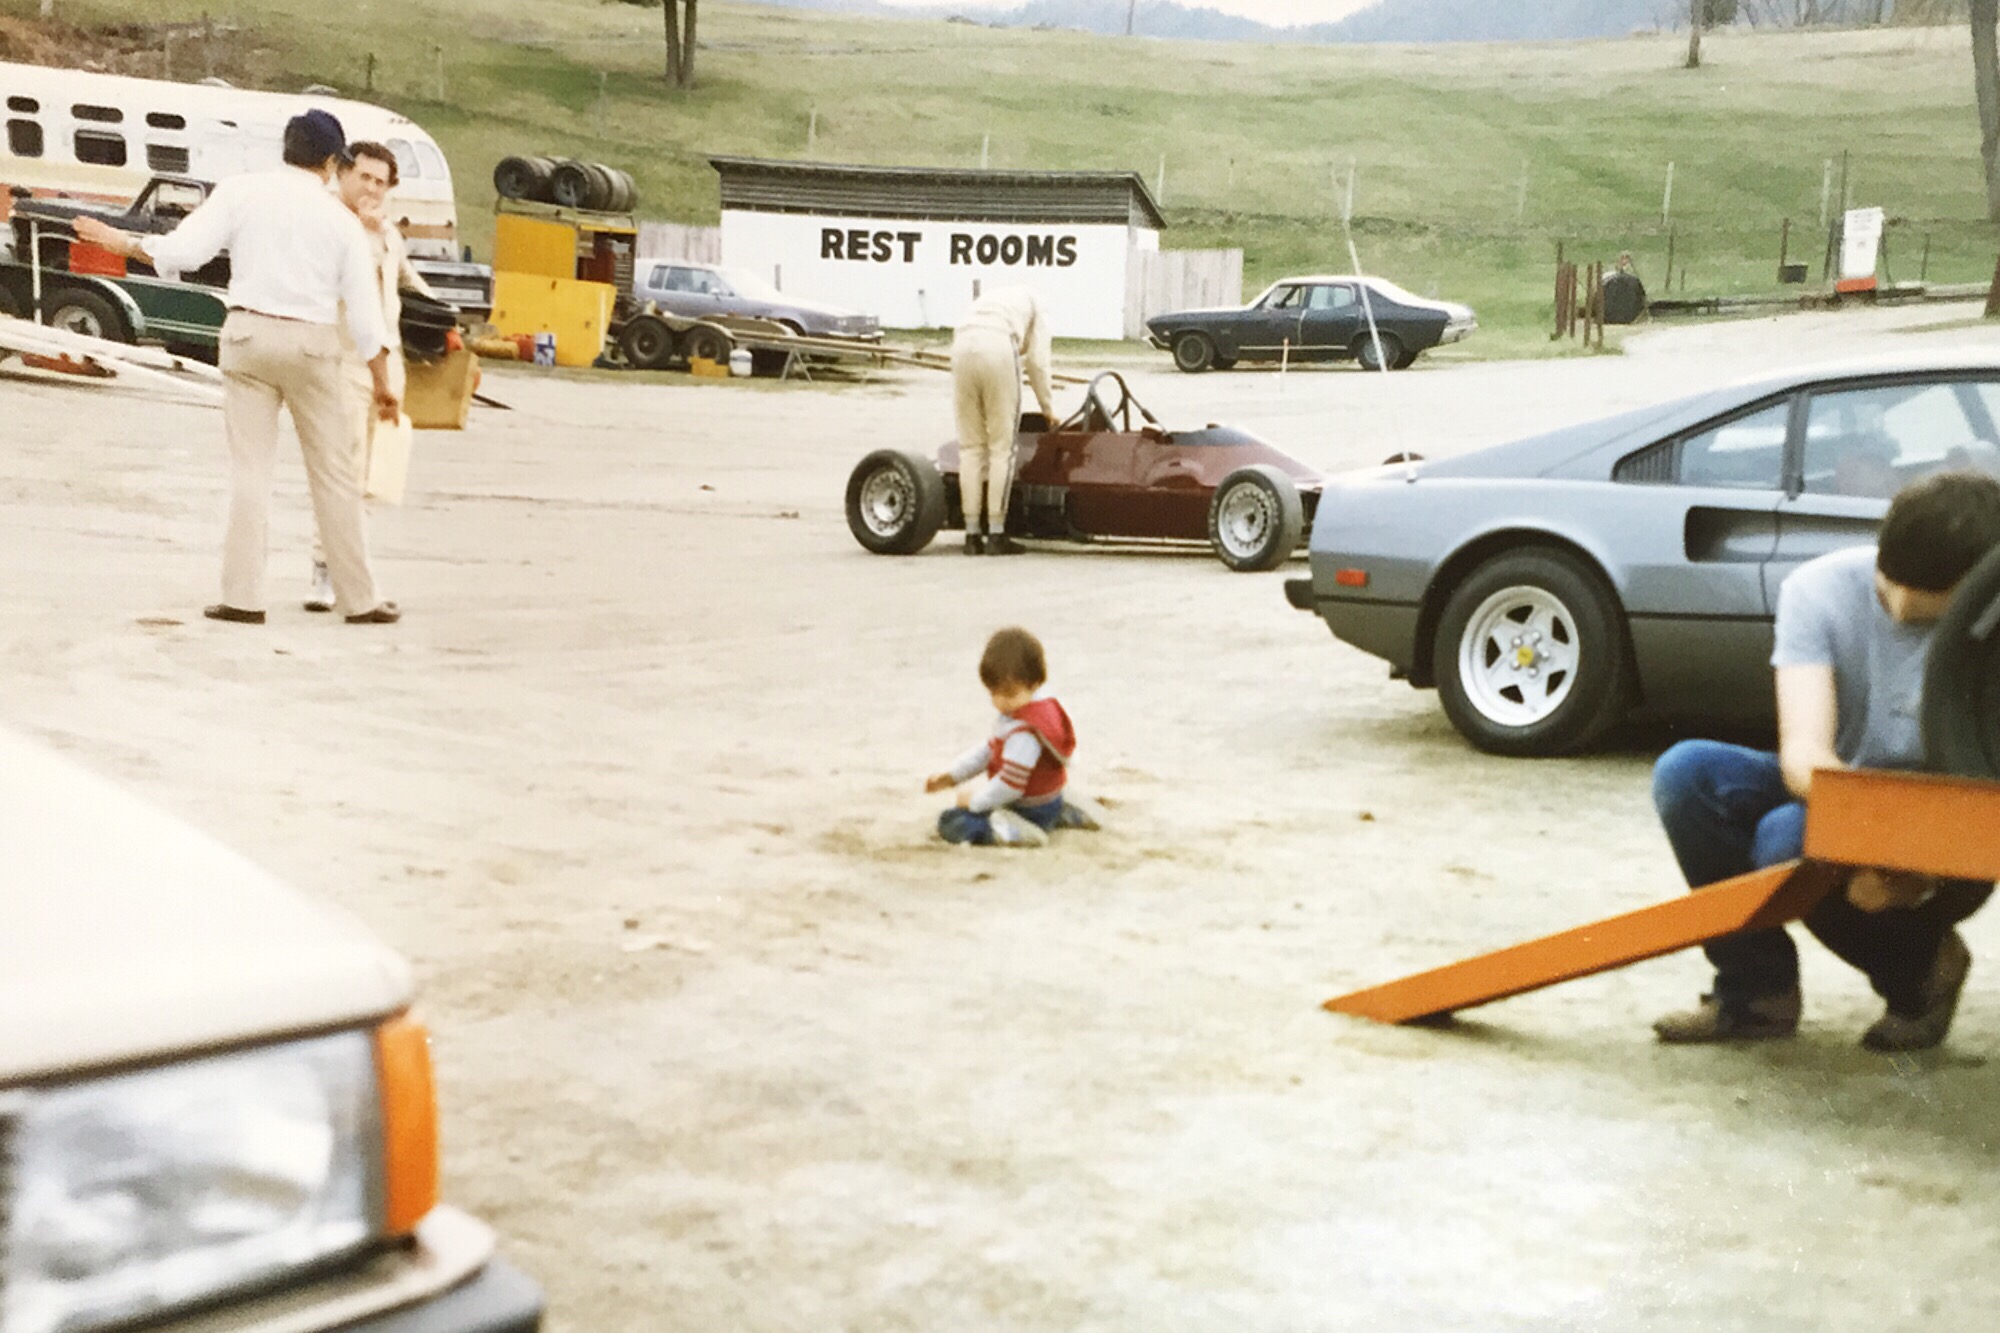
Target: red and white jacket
(1026, 757)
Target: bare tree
(1986, 90)
(680, 42)
(1131, 12)
(1697, 15)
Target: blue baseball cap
(318, 132)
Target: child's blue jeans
(960, 825)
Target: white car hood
(131, 936)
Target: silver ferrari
(1549, 587)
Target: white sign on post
(1860, 241)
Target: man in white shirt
(298, 260)
(1004, 333)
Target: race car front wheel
(895, 502)
(1255, 518)
(1530, 655)
(1961, 707)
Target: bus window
(27, 104)
(109, 115)
(167, 158)
(433, 161)
(100, 149)
(165, 120)
(406, 160)
(24, 137)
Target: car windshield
(747, 284)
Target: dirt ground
(728, 1040)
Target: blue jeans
(958, 825)
(1726, 811)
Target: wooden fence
(673, 240)
(1159, 281)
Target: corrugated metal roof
(946, 194)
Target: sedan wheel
(1194, 352)
(895, 502)
(1255, 519)
(1392, 352)
(1530, 655)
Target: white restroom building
(915, 245)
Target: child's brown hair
(1013, 657)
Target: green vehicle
(83, 289)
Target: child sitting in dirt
(1025, 760)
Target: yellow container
(578, 313)
(534, 245)
(707, 369)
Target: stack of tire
(591, 186)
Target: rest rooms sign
(923, 274)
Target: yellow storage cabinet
(577, 313)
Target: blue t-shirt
(1829, 615)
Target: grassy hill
(1256, 140)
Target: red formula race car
(1101, 476)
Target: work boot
(1760, 1019)
(321, 596)
(1011, 830)
(1919, 1032)
(1080, 812)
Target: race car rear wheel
(1255, 518)
(1392, 351)
(1193, 352)
(895, 502)
(1530, 656)
(1961, 705)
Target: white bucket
(739, 362)
(545, 349)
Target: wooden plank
(1762, 898)
(1905, 821)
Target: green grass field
(1470, 163)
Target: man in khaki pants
(1004, 332)
(297, 257)
(365, 181)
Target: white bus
(81, 135)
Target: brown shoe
(1920, 1032)
(1760, 1019)
(235, 615)
(386, 614)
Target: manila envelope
(389, 460)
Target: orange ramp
(1894, 821)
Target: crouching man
(1853, 631)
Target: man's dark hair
(1938, 528)
(311, 137)
(361, 148)
(1013, 657)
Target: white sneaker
(1080, 812)
(1011, 830)
(321, 596)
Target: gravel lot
(728, 1041)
